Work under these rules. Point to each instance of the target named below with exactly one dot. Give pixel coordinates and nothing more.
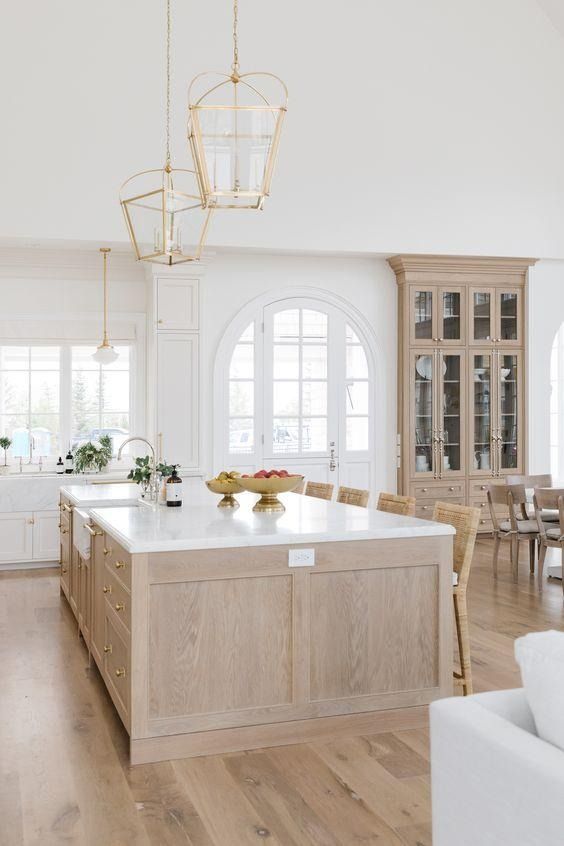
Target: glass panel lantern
(234, 131)
(166, 219)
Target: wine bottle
(174, 489)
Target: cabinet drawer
(441, 490)
(118, 561)
(116, 668)
(485, 524)
(424, 507)
(481, 488)
(117, 596)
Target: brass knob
(424, 490)
(482, 521)
(119, 606)
(451, 489)
(107, 589)
(424, 507)
(120, 565)
(79, 566)
(160, 320)
(58, 525)
(483, 488)
(108, 649)
(63, 569)
(107, 551)
(120, 672)
(64, 531)
(482, 505)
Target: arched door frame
(249, 313)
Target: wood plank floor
(64, 777)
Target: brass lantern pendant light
(165, 215)
(234, 130)
(105, 353)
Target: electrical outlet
(301, 557)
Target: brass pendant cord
(168, 28)
(105, 251)
(235, 65)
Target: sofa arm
(493, 781)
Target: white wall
(413, 126)
(546, 313)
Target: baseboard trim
(29, 565)
(221, 741)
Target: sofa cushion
(540, 656)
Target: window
(55, 396)
(557, 406)
(242, 394)
(357, 389)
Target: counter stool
(396, 504)
(321, 490)
(353, 496)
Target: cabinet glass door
(481, 315)
(422, 315)
(481, 413)
(451, 376)
(451, 316)
(508, 380)
(424, 410)
(509, 316)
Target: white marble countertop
(88, 496)
(200, 524)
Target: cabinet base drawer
(117, 668)
(438, 490)
(424, 507)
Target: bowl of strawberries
(270, 483)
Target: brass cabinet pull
(424, 490)
(63, 569)
(107, 551)
(108, 649)
(120, 672)
(64, 531)
(107, 588)
(93, 532)
(120, 565)
(451, 489)
(119, 606)
(67, 507)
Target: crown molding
(405, 264)
(80, 265)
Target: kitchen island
(218, 630)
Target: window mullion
(65, 398)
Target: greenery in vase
(5, 444)
(142, 470)
(93, 455)
(165, 469)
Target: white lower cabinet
(29, 536)
(16, 536)
(45, 535)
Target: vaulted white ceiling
(435, 126)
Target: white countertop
(200, 524)
(87, 496)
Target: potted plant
(93, 456)
(5, 444)
(141, 473)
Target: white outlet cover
(301, 557)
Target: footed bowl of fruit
(227, 484)
(270, 483)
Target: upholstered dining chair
(465, 520)
(320, 490)
(353, 496)
(396, 504)
(550, 533)
(541, 480)
(516, 527)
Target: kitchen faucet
(153, 482)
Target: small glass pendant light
(163, 207)
(105, 353)
(234, 132)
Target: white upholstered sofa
(494, 781)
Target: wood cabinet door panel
(374, 631)
(220, 646)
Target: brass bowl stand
(228, 501)
(269, 504)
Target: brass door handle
(120, 565)
(108, 649)
(107, 589)
(119, 606)
(120, 672)
(93, 532)
(107, 551)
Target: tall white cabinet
(174, 364)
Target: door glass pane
(285, 435)
(241, 435)
(286, 362)
(241, 399)
(242, 362)
(481, 304)
(508, 407)
(481, 375)
(357, 433)
(357, 397)
(451, 412)
(314, 362)
(314, 325)
(451, 315)
(314, 434)
(423, 413)
(286, 398)
(423, 315)
(508, 316)
(287, 325)
(357, 365)
(314, 398)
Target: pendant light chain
(168, 28)
(235, 65)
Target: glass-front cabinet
(496, 316)
(496, 396)
(437, 315)
(438, 409)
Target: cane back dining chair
(465, 520)
(396, 504)
(550, 533)
(353, 496)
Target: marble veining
(199, 524)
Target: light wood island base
(218, 650)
